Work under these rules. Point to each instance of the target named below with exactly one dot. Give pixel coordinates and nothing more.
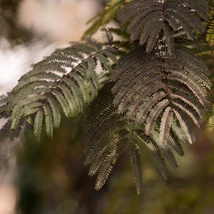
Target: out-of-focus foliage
(210, 25)
(104, 17)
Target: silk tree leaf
(144, 20)
(154, 114)
(166, 122)
(136, 163)
(184, 126)
(67, 78)
(38, 124)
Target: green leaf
(66, 80)
(38, 124)
(104, 17)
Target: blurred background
(49, 177)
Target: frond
(103, 18)
(154, 114)
(146, 20)
(105, 135)
(183, 126)
(155, 149)
(174, 143)
(166, 122)
(64, 81)
(156, 89)
(38, 124)
(162, 150)
(158, 157)
(5, 130)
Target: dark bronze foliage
(149, 21)
(154, 96)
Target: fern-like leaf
(66, 80)
(106, 16)
(155, 149)
(158, 87)
(165, 125)
(38, 124)
(105, 135)
(146, 19)
(136, 162)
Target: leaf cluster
(153, 96)
(63, 82)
